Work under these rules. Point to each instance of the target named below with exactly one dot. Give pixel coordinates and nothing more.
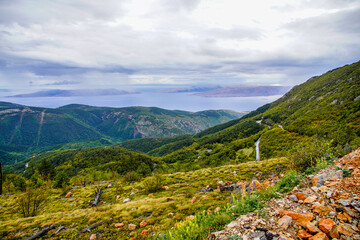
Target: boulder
(143, 223)
(329, 228)
(310, 199)
(303, 234)
(285, 222)
(144, 232)
(165, 187)
(69, 194)
(311, 227)
(119, 225)
(132, 227)
(301, 218)
(301, 196)
(319, 236)
(346, 229)
(93, 237)
(126, 200)
(322, 210)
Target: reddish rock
(345, 229)
(132, 227)
(323, 189)
(193, 200)
(143, 223)
(311, 227)
(301, 218)
(342, 217)
(256, 184)
(303, 234)
(285, 222)
(319, 236)
(301, 196)
(165, 187)
(93, 237)
(118, 197)
(322, 210)
(310, 199)
(69, 194)
(144, 232)
(227, 183)
(328, 226)
(119, 225)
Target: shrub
(61, 180)
(131, 177)
(288, 182)
(307, 155)
(153, 184)
(30, 202)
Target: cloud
(73, 93)
(120, 44)
(190, 89)
(244, 91)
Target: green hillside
(31, 130)
(325, 106)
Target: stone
(165, 187)
(310, 199)
(350, 212)
(143, 223)
(132, 227)
(332, 214)
(319, 236)
(329, 228)
(93, 237)
(260, 235)
(345, 229)
(256, 184)
(318, 180)
(132, 194)
(311, 227)
(220, 184)
(118, 197)
(344, 202)
(293, 198)
(301, 196)
(323, 189)
(126, 200)
(322, 210)
(69, 194)
(301, 218)
(329, 194)
(119, 225)
(303, 234)
(285, 222)
(342, 217)
(144, 232)
(193, 200)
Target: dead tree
(97, 197)
(88, 229)
(41, 233)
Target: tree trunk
(41, 233)
(97, 197)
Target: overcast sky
(158, 44)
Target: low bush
(153, 184)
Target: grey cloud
(41, 11)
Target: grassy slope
(154, 209)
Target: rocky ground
(325, 205)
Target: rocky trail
(325, 205)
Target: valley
(187, 181)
